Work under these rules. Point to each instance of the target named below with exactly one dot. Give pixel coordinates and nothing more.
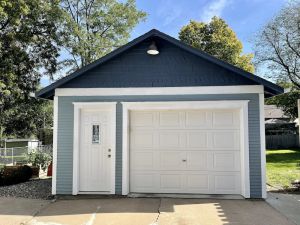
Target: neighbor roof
(270, 88)
(274, 112)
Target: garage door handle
(184, 160)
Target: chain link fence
(18, 155)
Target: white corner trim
(78, 106)
(262, 145)
(54, 157)
(242, 105)
(239, 89)
(244, 133)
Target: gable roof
(270, 88)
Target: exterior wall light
(152, 50)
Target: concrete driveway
(158, 211)
(15, 211)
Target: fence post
(298, 120)
(12, 156)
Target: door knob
(109, 156)
(184, 160)
(109, 150)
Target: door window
(96, 134)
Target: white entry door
(185, 151)
(95, 151)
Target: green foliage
(39, 159)
(46, 136)
(277, 45)
(217, 39)
(287, 102)
(27, 117)
(14, 175)
(93, 28)
(29, 37)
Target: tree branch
(290, 46)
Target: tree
(277, 46)
(288, 101)
(93, 28)
(29, 39)
(28, 117)
(217, 39)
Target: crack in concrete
(158, 211)
(93, 217)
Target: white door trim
(238, 89)
(242, 105)
(111, 106)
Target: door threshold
(187, 196)
(94, 193)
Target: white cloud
(169, 12)
(213, 8)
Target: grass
(283, 166)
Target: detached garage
(158, 116)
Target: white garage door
(186, 151)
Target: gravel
(35, 189)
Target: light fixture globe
(152, 50)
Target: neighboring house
(281, 131)
(275, 114)
(180, 121)
(14, 143)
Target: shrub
(15, 174)
(39, 159)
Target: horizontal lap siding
(65, 135)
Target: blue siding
(65, 135)
(173, 67)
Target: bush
(39, 159)
(14, 175)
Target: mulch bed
(35, 189)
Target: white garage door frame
(241, 105)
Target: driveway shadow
(162, 211)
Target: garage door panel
(143, 182)
(142, 119)
(185, 151)
(142, 140)
(227, 184)
(198, 182)
(171, 160)
(170, 182)
(169, 140)
(225, 119)
(195, 119)
(226, 161)
(197, 160)
(225, 140)
(169, 119)
(142, 160)
(197, 139)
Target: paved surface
(287, 204)
(155, 211)
(19, 210)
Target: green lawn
(283, 166)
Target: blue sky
(245, 17)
